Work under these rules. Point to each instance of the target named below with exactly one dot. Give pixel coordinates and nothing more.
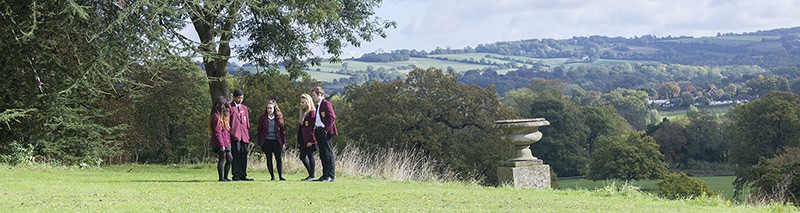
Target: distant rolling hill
(768, 48)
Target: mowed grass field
(193, 188)
(674, 114)
(722, 185)
(326, 72)
(725, 40)
(418, 62)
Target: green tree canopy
(669, 90)
(705, 136)
(61, 58)
(630, 156)
(631, 104)
(431, 112)
(762, 85)
(603, 121)
(671, 138)
(279, 32)
(563, 144)
(762, 129)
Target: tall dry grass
(384, 163)
(779, 193)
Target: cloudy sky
(427, 24)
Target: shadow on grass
(169, 181)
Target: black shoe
(224, 180)
(309, 178)
(325, 179)
(247, 179)
(236, 179)
(281, 179)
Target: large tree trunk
(215, 58)
(218, 79)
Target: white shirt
(319, 123)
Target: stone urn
(523, 170)
(521, 133)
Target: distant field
(325, 76)
(673, 114)
(545, 61)
(766, 46)
(325, 72)
(320, 76)
(749, 38)
(720, 184)
(725, 40)
(474, 56)
(644, 50)
(418, 62)
(605, 61)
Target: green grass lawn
(674, 114)
(725, 40)
(193, 188)
(325, 76)
(749, 38)
(474, 56)
(723, 185)
(320, 76)
(418, 62)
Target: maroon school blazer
(220, 137)
(328, 117)
(240, 123)
(305, 133)
(263, 129)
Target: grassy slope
(418, 62)
(720, 184)
(725, 40)
(192, 188)
(673, 114)
(325, 76)
(320, 76)
(325, 72)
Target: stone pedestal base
(525, 176)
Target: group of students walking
(230, 135)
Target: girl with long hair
(220, 136)
(307, 142)
(272, 136)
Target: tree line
(102, 82)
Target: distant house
(745, 98)
(717, 103)
(724, 97)
(666, 103)
(658, 101)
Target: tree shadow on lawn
(168, 181)
(183, 181)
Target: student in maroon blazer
(272, 137)
(220, 136)
(307, 142)
(240, 136)
(325, 130)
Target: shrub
(553, 179)
(777, 179)
(679, 185)
(16, 153)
